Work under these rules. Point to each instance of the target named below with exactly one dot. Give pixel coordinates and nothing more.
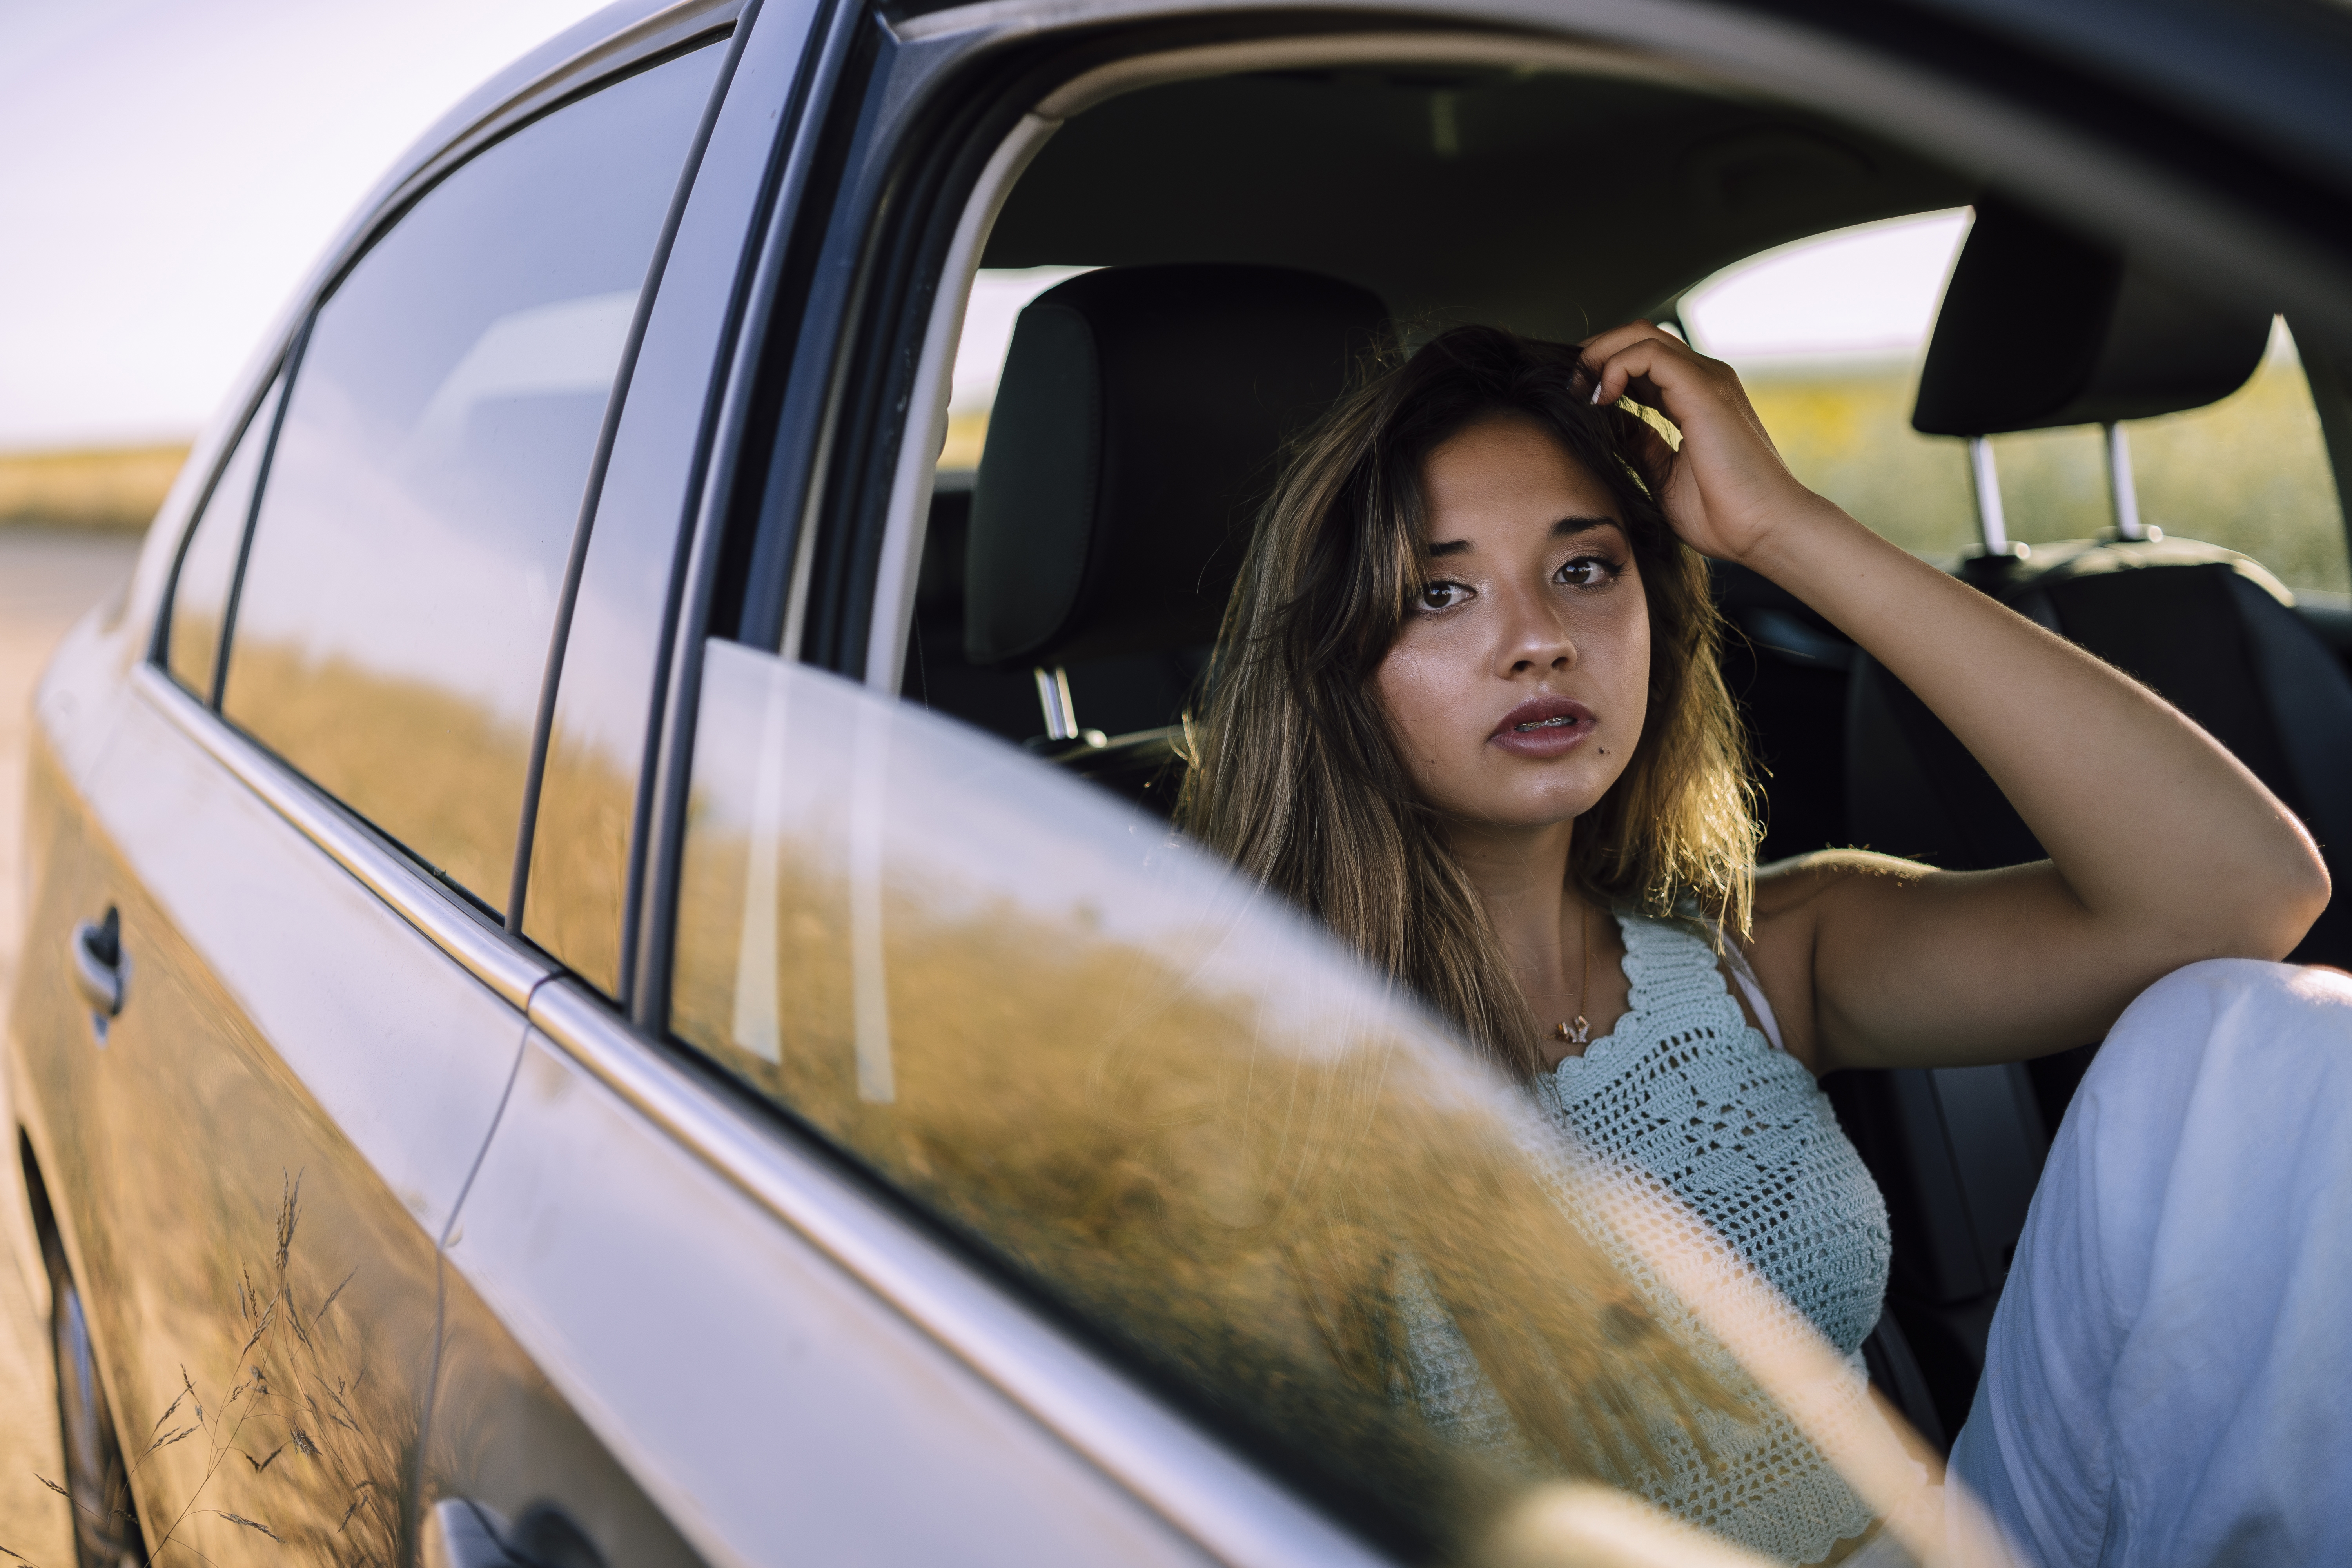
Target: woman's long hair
(1294, 772)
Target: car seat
(1136, 431)
(2042, 329)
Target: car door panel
(771, 1403)
(255, 1166)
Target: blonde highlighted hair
(1293, 773)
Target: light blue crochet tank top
(1686, 1090)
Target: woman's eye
(1443, 596)
(1588, 572)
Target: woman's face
(1518, 686)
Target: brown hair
(1293, 773)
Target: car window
(1828, 335)
(2249, 472)
(392, 629)
(199, 603)
(1171, 1107)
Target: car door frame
(817, 398)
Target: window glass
(2249, 472)
(1175, 1110)
(200, 592)
(392, 628)
(1828, 335)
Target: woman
(1466, 712)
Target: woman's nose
(1536, 634)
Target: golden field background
(2249, 472)
(106, 487)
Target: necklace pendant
(1576, 1034)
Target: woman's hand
(2163, 848)
(1727, 489)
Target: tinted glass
(1178, 1111)
(392, 628)
(200, 592)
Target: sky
(169, 169)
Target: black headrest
(2041, 328)
(1136, 428)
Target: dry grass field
(2249, 472)
(47, 579)
(111, 487)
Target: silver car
(607, 978)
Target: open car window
(1829, 335)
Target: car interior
(1258, 236)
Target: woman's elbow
(2286, 904)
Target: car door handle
(462, 1533)
(100, 968)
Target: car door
(940, 1164)
(299, 823)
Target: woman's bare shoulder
(1792, 887)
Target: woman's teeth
(1564, 719)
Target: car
(607, 980)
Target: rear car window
(1828, 335)
(392, 629)
(208, 566)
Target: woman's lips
(1543, 727)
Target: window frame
(794, 512)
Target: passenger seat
(2042, 329)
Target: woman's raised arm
(2164, 849)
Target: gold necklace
(1578, 1033)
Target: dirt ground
(48, 579)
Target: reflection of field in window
(439, 774)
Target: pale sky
(169, 169)
(1856, 293)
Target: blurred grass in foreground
(111, 487)
(2249, 472)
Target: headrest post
(1053, 698)
(1993, 527)
(2120, 489)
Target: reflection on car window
(1177, 1111)
(1828, 335)
(200, 592)
(393, 625)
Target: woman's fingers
(1642, 362)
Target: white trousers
(2169, 1380)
